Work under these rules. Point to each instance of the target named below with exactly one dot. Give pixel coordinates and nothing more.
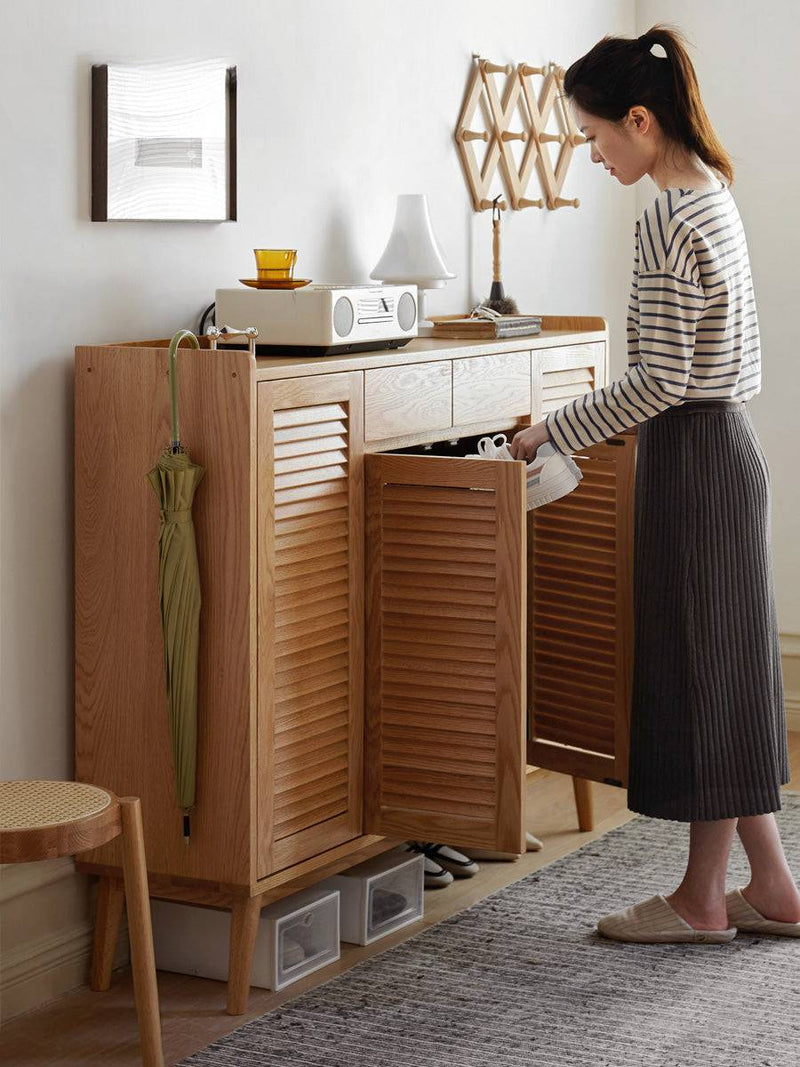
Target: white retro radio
(321, 320)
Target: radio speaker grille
(343, 316)
(407, 311)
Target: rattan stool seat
(27, 804)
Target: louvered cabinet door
(580, 639)
(565, 373)
(310, 616)
(445, 723)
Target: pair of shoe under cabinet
(300, 933)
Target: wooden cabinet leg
(108, 916)
(244, 928)
(143, 963)
(584, 802)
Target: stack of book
(464, 327)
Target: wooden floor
(100, 1028)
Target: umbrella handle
(172, 364)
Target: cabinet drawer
(566, 373)
(407, 399)
(487, 387)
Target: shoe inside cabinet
(456, 448)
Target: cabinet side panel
(122, 422)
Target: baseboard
(40, 970)
(790, 667)
(47, 909)
(792, 714)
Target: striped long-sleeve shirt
(692, 324)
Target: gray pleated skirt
(708, 725)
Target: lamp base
(424, 325)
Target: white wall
(341, 107)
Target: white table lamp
(412, 256)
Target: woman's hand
(525, 443)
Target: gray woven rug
(523, 978)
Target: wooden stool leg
(110, 900)
(143, 962)
(244, 928)
(584, 802)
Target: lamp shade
(412, 255)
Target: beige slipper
(742, 913)
(656, 921)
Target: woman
(708, 739)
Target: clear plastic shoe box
(382, 894)
(296, 935)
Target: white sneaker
(532, 844)
(550, 474)
(494, 447)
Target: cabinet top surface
(562, 331)
(418, 350)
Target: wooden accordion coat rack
(498, 115)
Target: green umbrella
(174, 480)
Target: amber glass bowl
(275, 263)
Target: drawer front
(486, 387)
(563, 374)
(407, 399)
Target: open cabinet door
(580, 600)
(445, 643)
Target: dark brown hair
(619, 73)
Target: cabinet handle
(217, 333)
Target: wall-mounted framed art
(164, 141)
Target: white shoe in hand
(550, 474)
(495, 447)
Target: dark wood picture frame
(100, 145)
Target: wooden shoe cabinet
(388, 637)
